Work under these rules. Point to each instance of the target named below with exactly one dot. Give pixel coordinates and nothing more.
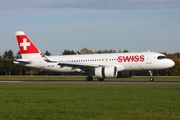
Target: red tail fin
(25, 44)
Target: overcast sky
(56, 25)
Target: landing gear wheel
(151, 79)
(100, 79)
(89, 78)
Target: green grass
(89, 102)
(134, 78)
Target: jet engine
(105, 72)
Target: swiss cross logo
(25, 44)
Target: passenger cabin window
(161, 57)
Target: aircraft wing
(76, 64)
(83, 66)
(87, 66)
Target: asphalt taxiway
(161, 83)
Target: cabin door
(149, 58)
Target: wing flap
(76, 64)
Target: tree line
(7, 67)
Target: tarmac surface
(155, 83)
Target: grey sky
(92, 4)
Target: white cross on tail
(25, 44)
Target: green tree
(47, 53)
(18, 69)
(86, 51)
(18, 55)
(68, 52)
(98, 52)
(105, 51)
(8, 56)
(1, 65)
(177, 54)
(125, 51)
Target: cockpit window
(161, 57)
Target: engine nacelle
(124, 74)
(105, 72)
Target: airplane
(111, 65)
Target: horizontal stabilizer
(22, 61)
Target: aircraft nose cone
(171, 63)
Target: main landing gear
(151, 76)
(90, 78)
(100, 79)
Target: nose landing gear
(151, 76)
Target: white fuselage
(123, 61)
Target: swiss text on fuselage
(132, 58)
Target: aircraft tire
(100, 79)
(151, 79)
(89, 78)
